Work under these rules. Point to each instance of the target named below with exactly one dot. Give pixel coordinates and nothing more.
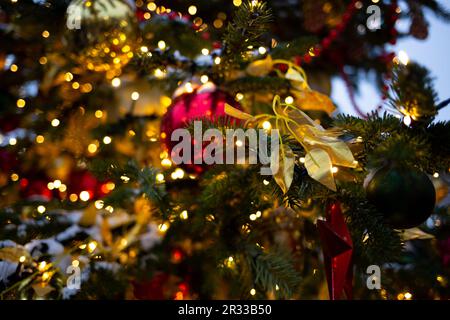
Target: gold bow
(323, 148)
(305, 97)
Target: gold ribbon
(323, 148)
(305, 97)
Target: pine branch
(250, 22)
(273, 271)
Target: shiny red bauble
(199, 105)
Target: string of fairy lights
(93, 247)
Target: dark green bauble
(405, 197)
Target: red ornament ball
(35, 190)
(83, 180)
(152, 289)
(198, 105)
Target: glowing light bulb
(99, 114)
(403, 57)
(20, 103)
(135, 96)
(204, 79)
(84, 196)
(161, 44)
(192, 10)
(57, 184)
(40, 139)
(41, 209)
(116, 82)
(262, 50)
(289, 100)
(184, 215)
(266, 125)
(55, 122)
(407, 120)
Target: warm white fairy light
(99, 204)
(266, 125)
(159, 73)
(20, 103)
(92, 148)
(184, 215)
(107, 139)
(135, 96)
(407, 121)
(166, 163)
(92, 246)
(57, 183)
(192, 10)
(289, 100)
(84, 196)
(403, 57)
(262, 50)
(188, 87)
(160, 177)
(55, 122)
(204, 79)
(177, 174)
(98, 114)
(408, 296)
(239, 96)
(42, 266)
(163, 227)
(40, 139)
(41, 209)
(116, 82)
(161, 44)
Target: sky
(434, 53)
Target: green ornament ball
(405, 197)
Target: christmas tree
(102, 197)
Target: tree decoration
(337, 248)
(405, 196)
(35, 189)
(205, 102)
(413, 94)
(323, 148)
(101, 34)
(89, 197)
(305, 97)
